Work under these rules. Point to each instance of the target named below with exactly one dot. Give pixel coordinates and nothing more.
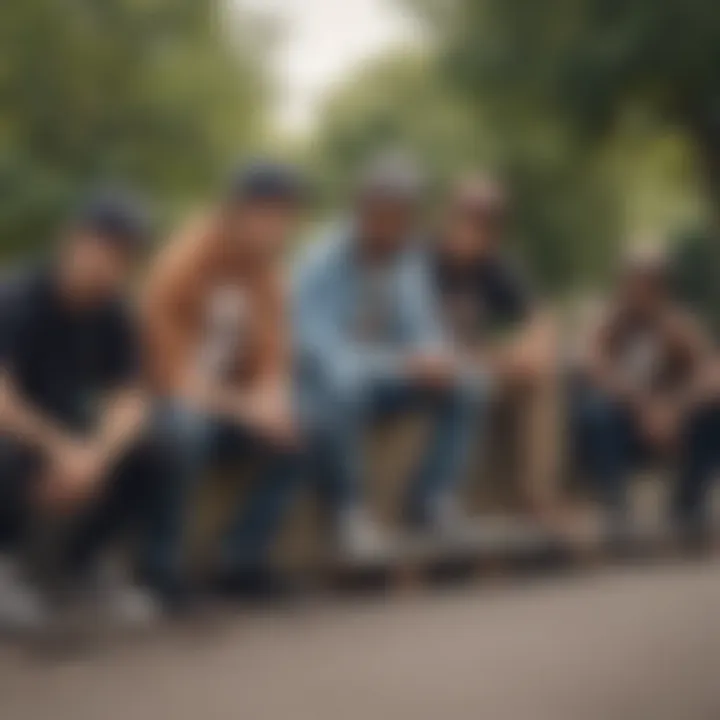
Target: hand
(435, 370)
(270, 413)
(74, 474)
(658, 424)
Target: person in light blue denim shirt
(369, 342)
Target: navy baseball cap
(266, 181)
(117, 217)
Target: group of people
(116, 401)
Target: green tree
(583, 63)
(398, 100)
(153, 92)
(564, 212)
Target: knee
(178, 430)
(597, 410)
(341, 399)
(469, 396)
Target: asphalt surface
(622, 644)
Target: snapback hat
(115, 216)
(265, 180)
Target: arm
(120, 425)
(601, 368)
(692, 343)
(172, 297)
(20, 419)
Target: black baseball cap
(115, 216)
(264, 180)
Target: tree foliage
(583, 62)
(154, 92)
(564, 213)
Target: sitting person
(75, 466)
(642, 391)
(502, 330)
(219, 361)
(370, 344)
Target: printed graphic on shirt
(225, 329)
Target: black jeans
(127, 498)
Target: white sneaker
(358, 536)
(120, 602)
(446, 518)
(21, 606)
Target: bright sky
(324, 40)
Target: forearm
(121, 424)
(20, 419)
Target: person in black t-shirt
(71, 407)
(499, 325)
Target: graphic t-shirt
(481, 300)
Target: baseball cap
(264, 180)
(115, 216)
(392, 176)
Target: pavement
(619, 644)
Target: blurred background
(603, 115)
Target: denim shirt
(327, 292)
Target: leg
(131, 493)
(699, 458)
(185, 443)
(21, 607)
(248, 540)
(539, 442)
(458, 413)
(605, 431)
(335, 432)
(18, 467)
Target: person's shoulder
(183, 260)
(22, 286)
(683, 324)
(322, 252)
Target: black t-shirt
(61, 359)
(482, 299)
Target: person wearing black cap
(219, 361)
(370, 344)
(71, 408)
(502, 328)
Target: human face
(385, 225)
(643, 291)
(95, 268)
(262, 228)
(472, 234)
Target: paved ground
(630, 644)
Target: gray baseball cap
(392, 176)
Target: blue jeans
(351, 407)
(700, 458)
(610, 446)
(197, 443)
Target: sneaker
(358, 537)
(22, 608)
(119, 602)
